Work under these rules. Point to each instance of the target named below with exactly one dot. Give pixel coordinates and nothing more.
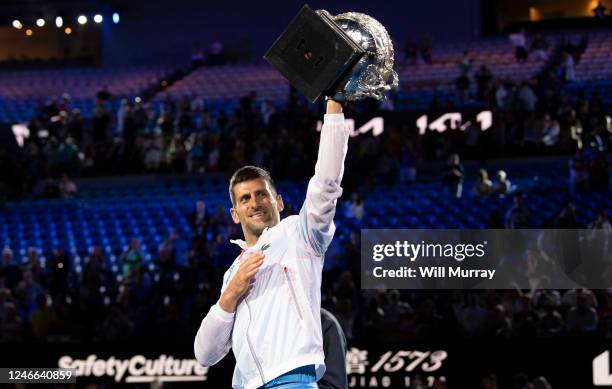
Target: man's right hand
(241, 282)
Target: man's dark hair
(248, 173)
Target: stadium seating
(110, 215)
(22, 90)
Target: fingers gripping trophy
(269, 309)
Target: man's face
(256, 206)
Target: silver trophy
(347, 57)
(373, 75)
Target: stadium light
(116, 18)
(17, 24)
(82, 19)
(98, 18)
(59, 22)
(40, 22)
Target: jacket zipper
(261, 374)
(293, 294)
(248, 338)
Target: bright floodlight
(59, 22)
(17, 24)
(116, 18)
(40, 22)
(82, 19)
(98, 18)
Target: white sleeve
(214, 338)
(316, 225)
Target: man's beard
(258, 228)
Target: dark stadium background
(133, 120)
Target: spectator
(579, 172)
(527, 97)
(200, 220)
(472, 316)
(550, 131)
(539, 48)
(153, 153)
(43, 317)
(396, 311)
(568, 68)
(95, 266)
(267, 111)
(103, 94)
(10, 325)
(501, 96)
(518, 216)
(502, 185)
(26, 292)
(570, 298)
(175, 248)
(462, 84)
(131, 259)
(519, 40)
(32, 263)
(483, 80)
(75, 126)
(67, 187)
(483, 186)
(601, 222)
(215, 54)
(355, 209)
(582, 318)
(122, 113)
(526, 321)
(551, 322)
(465, 63)
(9, 271)
(567, 218)
(599, 11)
(453, 177)
(334, 344)
(197, 56)
(99, 124)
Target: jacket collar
(243, 245)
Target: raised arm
(316, 216)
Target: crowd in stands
(177, 135)
(132, 297)
(165, 293)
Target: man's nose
(254, 202)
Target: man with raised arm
(269, 308)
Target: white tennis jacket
(277, 327)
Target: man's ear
(280, 205)
(235, 217)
